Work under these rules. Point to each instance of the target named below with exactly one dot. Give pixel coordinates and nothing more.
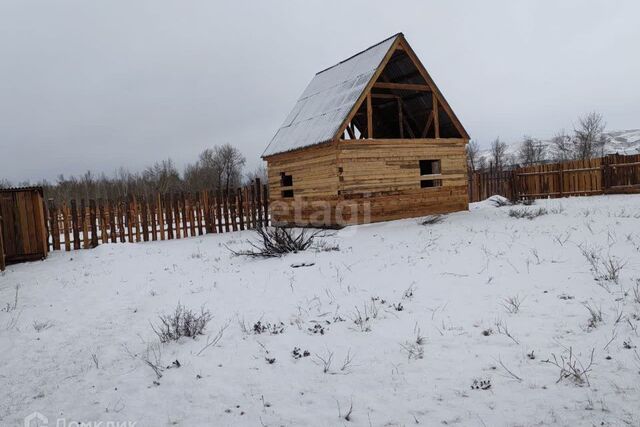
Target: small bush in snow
(278, 241)
(571, 368)
(413, 350)
(9, 307)
(512, 304)
(636, 292)
(363, 319)
(522, 213)
(41, 326)
(181, 323)
(603, 268)
(595, 316)
(271, 329)
(432, 219)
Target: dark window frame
(286, 185)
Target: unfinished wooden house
(370, 139)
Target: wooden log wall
(82, 224)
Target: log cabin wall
(362, 181)
(314, 177)
(387, 174)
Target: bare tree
(259, 172)
(531, 151)
(231, 162)
(589, 137)
(499, 154)
(561, 147)
(5, 183)
(163, 176)
(473, 154)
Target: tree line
(217, 168)
(588, 140)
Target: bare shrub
(346, 363)
(152, 357)
(41, 325)
(512, 304)
(636, 292)
(603, 268)
(181, 323)
(9, 307)
(595, 316)
(413, 350)
(363, 319)
(324, 361)
(522, 213)
(432, 219)
(572, 368)
(503, 329)
(277, 241)
(347, 416)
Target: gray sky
(102, 84)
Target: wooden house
(370, 139)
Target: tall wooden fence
(607, 175)
(87, 223)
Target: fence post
(265, 203)
(258, 204)
(2, 261)
(561, 177)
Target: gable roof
(324, 106)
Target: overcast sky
(103, 84)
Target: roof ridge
(360, 53)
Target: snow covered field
(74, 341)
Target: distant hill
(620, 141)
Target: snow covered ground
(73, 344)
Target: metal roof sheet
(327, 100)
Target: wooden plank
(192, 214)
(145, 218)
(74, 224)
(122, 225)
(259, 217)
(225, 210)
(84, 223)
(160, 212)
(369, 117)
(153, 217)
(219, 210)
(55, 228)
(94, 223)
(65, 227)
(240, 208)
(113, 232)
(402, 86)
(198, 216)
(436, 117)
(168, 216)
(265, 202)
(135, 212)
(3, 262)
(128, 210)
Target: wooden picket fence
(81, 224)
(607, 175)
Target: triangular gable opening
(405, 104)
